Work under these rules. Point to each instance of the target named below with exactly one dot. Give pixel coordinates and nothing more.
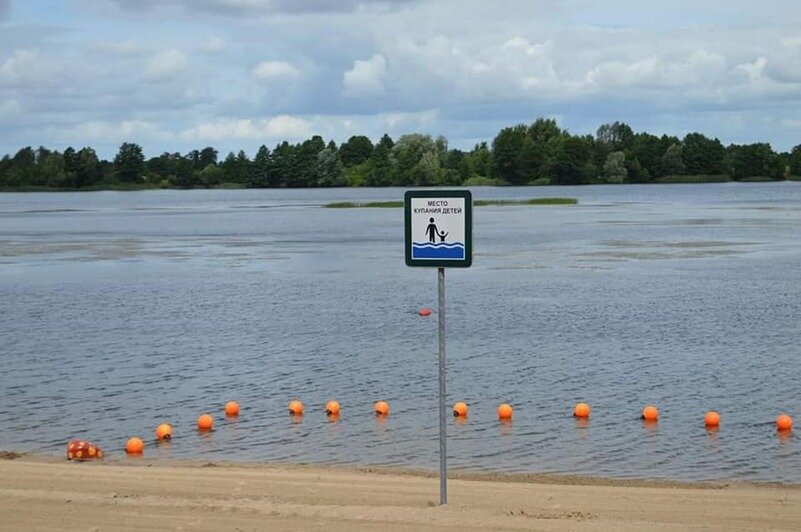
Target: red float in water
(425, 311)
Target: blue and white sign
(439, 228)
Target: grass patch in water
(531, 201)
(477, 203)
(368, 205)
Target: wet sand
(50, 494)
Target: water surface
(121, 310)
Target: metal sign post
(439, 233)
(443, 455)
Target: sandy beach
(48, 494)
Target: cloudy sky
(175, 75)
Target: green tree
(54, 170)
(615, 137)
(615, 168)
(211, 176)
(648, 150)
(795, 161)
(206, 157)
(304, 169)
(408, 152)
(383, 164)
(329, 169)
(261, 170)
(673, 161)
(702, 155)
(356, 150)
(428, 170)
(481, 159)
(755, 160)
(571, 163)
(129, 163)
(507, 147)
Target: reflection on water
(124, 310)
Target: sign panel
(439, 228)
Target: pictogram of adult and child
(432, 232)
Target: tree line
(541, 153)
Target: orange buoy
(332, 408)
(425, 311)
(231, 408)
(134, 446)
(205, 422)
(712, 419)
(296, 408)
(83, 450)
(460, 409)
(784, 423)
(164, 432)
(505, 411)
(582, 411)
(381, 408)
(650, 413)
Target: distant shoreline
(670, 180)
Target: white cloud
(108, 131)
(268, 70)
(165, 65)
(753, 69)
(366, 77)
(278, 127)
(27, 66)
(392, 121)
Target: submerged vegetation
(477, 203)
(540, 153)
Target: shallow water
(122, 310)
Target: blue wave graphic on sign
(441, 250)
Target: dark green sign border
(468, 232)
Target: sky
(177, 75)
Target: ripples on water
(123, 310)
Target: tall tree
(755, 160)
(261, 170)
(329, 169)
(129, 163)
(672, 161)
(408, 152)
(571, 163)
(615, 168)
(383, 166)
(356, 150)
(506, 149)
(703, 155)
(207, 156)
(795, 161)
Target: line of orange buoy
(205, 422)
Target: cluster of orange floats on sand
(81, 450)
